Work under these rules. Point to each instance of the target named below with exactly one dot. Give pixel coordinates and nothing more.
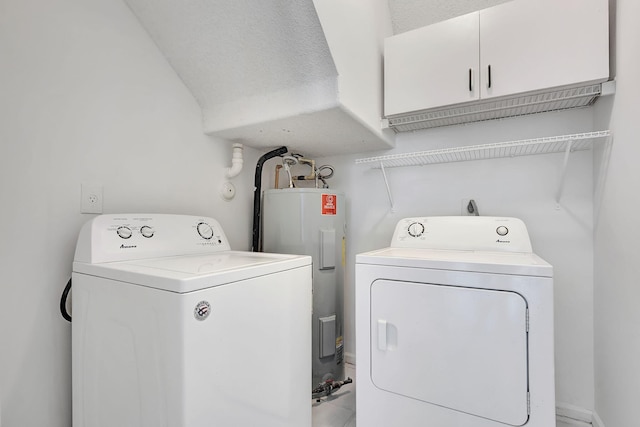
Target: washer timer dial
(416, 229)
(205, 230)
(124, 232)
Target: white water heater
(311, 221)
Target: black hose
(257, 190)
(63, 302)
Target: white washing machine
(172, 328)
(454, 327)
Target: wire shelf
(554, 144)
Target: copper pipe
(277, 185)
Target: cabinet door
(531, 45)
(432, 66)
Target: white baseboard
(572, 412)
(571, 422)
(597, 422)
(578, 416)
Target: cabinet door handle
(470, 80)
(489, 86)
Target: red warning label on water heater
(329, 204)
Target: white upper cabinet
(432, 66)
(522, 46)
(529, 45)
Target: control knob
(205, 230)
(502, 230)
(146, 231)
(416, 229)
(124, 232)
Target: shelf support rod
(386, 183)
(563, 174)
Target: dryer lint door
(460, 348)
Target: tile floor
(339, 409)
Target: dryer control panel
(467, 233)
(123, 237)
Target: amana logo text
(202, 310)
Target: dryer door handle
(382, 335)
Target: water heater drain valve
(327, 387)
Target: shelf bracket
(386, 183)
(563, 174)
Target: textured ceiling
(407, 15)
(264, 73)
(263, 46)
(270, 45)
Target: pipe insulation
(236, 161)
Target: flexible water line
(287, 162)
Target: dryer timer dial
(416, 229)
(502, 230)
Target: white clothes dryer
(171, 328)
(454, 327)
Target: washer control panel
(124, 237)
(471, 233)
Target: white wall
(523, 187)
(85, 97)
(617, 253)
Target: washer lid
(522, 264)
(189, 273)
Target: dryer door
(460, 348)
